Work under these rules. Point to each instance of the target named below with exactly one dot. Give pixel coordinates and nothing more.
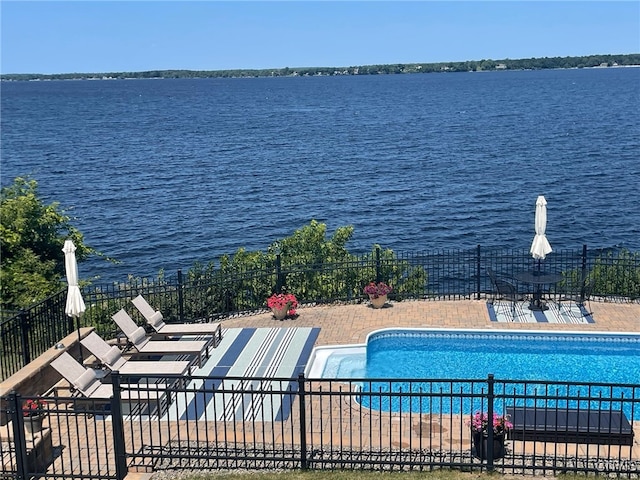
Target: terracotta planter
(481, 449)
(280, 313)
(33, 424)
(378, 302)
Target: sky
(128, 36)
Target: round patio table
(538, 278)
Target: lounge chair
(143, 344)
(86, 382)
(155, 320)
(111, 357)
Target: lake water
(162, 173)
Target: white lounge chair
(143, 344)
(86, 382)
(111, 357)
(155, 320)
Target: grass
(353, 475)
(336, 475)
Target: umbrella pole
(79, 339)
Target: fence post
(490, 400)
(378, 272)
(583, 275)
(303, 422)
(24, 336)
(14, 412)
(117, 425)
(180, 296)
(278, 274)
(478, 273)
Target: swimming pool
(532, 356)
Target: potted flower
(282, 305)
(377, 292)
(480, 425)
(33, 411)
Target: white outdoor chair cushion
(138, 336)
(84, 381)
(113, 358)
(156, 320)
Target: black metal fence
(297, 423)
(213, 293)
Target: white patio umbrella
(75, 304)
(540, 246)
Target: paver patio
(350, 324)
(347, 324)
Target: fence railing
(298, 423)
(205, 294)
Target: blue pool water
(413, 356)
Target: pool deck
(350, 324)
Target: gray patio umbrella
(540, 246)
(75, 304)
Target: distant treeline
(468, 66)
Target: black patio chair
(505, 290)
(578, 293)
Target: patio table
(538, 278)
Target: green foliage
(315, 268)
(103, 303)
(408, 281)
(32, 235)
(244, 280)
(309, 260)
(617, 274)
(240, 282)
(399, 68)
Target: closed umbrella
(540, 246)
(75, 304)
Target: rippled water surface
(163, 173)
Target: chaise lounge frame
(138, 340)
(111, 357)
(85, 381)
(155, 320)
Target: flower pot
(481, 448)
(280, 313)
(33, 424)
(377, 302)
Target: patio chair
(111, 357)
(504, 290)
(138, 339)
(85, 381)
(155, 320)
(578, 293)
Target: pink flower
(31, 408)
(377, 289)
(480, 423)
(282, 300)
